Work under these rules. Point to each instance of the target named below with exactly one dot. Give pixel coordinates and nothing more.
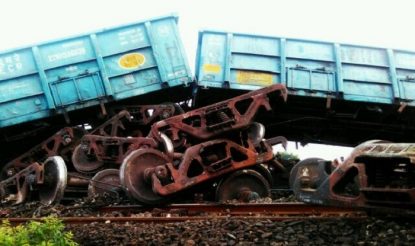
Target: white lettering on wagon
(67, 54)
(10, 64)
(71, 68)
(132, 36)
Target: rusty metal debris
(377, 174)
(82, 153)
(161, 151)
(202, 145)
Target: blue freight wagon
(338, 93)
(308, 68)
(78, 72)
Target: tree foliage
(48, 232)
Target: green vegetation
(48, 232)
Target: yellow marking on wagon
(254, 78)
(131, 60)
(212, 68)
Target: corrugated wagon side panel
(129, 60)
(366, 74)
(211, 70)
(78, 72)
(143, 58)
(310, 67)
(21, 89)
(72, 73)
(238, 61)
(307, 68)
(405, 72)
(169, 52)
(255, 62)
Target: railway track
(194, 212)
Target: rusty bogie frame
(179, 152)
(15, 189)
(60, 144)
(112, 141)
(131, 120)
(207, 143)
(207, 161)
(108, 150)
(145, 115)
(48, 179)
(114, 126)
(210, 121)
(377, 174)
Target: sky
(364, 22)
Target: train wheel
(135, 175)
(311, 171)
(243, 185)
(54, 181)
(105, 181)
(83, 163)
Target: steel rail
(108, 220)
(237, 209)
(197, 212)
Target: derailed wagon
(377, 174)
(105, 90)
(76, 80)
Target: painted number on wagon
(10, 64)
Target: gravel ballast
(230, 231)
